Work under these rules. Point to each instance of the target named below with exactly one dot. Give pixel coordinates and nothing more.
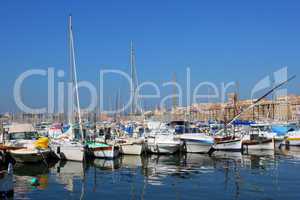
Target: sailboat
(260, 137)
(132, 143)
(131, 146)
(101, 147)
(225, 141)
(130, 139)
(103, 150)
(66, 147)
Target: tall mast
(132, 65)
(119, 103)
(71, 76)
(74, 74)
(117, 106)
(134, 82)
(237, 98)
(175, 103)
(174, 98)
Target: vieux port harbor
(150, 100)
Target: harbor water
(223, 175)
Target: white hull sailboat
(131, 146)
(255, 142)
(68, 150)
(261, 137)
(65, 145)
(132, 149)
(231, 142)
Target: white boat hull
(270, 145)
(132, 149)
(105, 152)
(266, 142)
(197, 147)
(293, 141)
(197, 143)
(163, 148)
(163, 144)
(69, 151)
(30, 156)
(231, 145)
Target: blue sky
(221, 41)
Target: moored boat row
(24, 144)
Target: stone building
(282, 108)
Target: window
(23, 136)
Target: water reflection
(24, 174)
(291, 152)
(132, 161)
(157, 167)
(103, 164)
(233, 175)
(67, 172)
(257, 159)
(224, 155)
